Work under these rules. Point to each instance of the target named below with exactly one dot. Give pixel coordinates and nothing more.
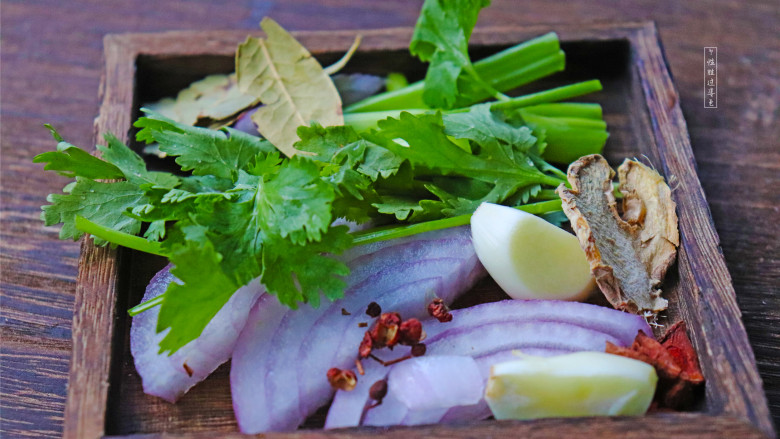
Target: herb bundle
(417, 158)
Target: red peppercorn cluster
(390, 330)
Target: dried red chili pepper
(675, 362)
(677, 343)
(679, 346)
(342, 379)
(439, 310)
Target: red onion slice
(489, 333)
(170, 377)
(436, 382)
(278, 383)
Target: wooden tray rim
(744, 412)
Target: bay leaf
(292, 86)
(216, 98)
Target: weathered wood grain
(686, 426)
(710, 303)
(51, 61)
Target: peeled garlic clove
(579, 384)
(528, 257)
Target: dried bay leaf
(291, 84)
(216, 98)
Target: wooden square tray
(644, 118)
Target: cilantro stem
(119, 238)
(567, 142)
(573, 115)
(561, 174)
(574, 122)
(367, 120)
(393, 232)
(536, 107)
(546, 194)
(487, 87)
(567, 109)
(553, 181)
(149, 304)
(552, 95)
(541, 207)
(502, 71)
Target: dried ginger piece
(645, 190)
(675, 361)
(628, 258)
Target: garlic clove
(579, 384)
(528, 257)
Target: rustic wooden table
(51, 63)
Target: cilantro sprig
(244, 212)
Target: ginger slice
(628, 258)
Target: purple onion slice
(170, 377)
(282, 356)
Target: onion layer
(436, 382)
(489, 333)
(169, 377)
(282, 357)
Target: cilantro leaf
(314, 271)
(221, 153)
(430, 147)
(71, 161)
(155, 231)
(441, 37)
(342, 146)
(350, 164)
(324, 142)
(399, 206)
(296, 202)
(101, 203)
(133, 166)
(497, 170)
(354, 195)
(486, 129)
(205, 288)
